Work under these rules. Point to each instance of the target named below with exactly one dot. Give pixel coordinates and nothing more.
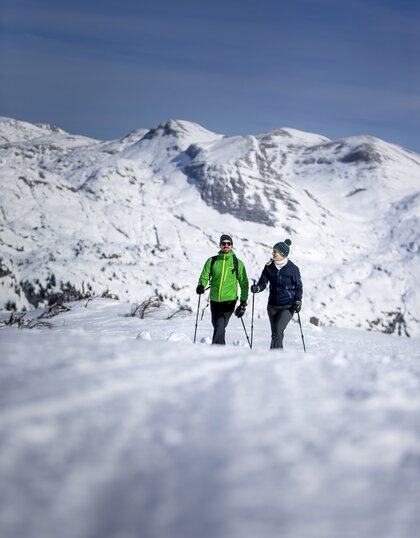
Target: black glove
(254, 288)
(297, 305)
(200, 289)
(240, 310)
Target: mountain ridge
(127, 215)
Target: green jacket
(223, 281)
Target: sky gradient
(105, 67)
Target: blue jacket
(285, 283)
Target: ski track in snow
(104, 434)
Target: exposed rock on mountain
(139, 215)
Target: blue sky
(105, 67)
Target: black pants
(220, 316)
(279, 319)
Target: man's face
(225, 246)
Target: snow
(112, 426)
(141, 214)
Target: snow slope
(139, 215)
(112, 426)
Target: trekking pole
(252, 316)
(301, 333)
(246, 334)
(196, 319)
(202, 312)
(208, 302)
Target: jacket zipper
(222, 279)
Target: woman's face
(277, 257)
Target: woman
(285, 291)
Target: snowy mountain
(139, 215)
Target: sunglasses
(225, 243)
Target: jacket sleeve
(205, 273)
(298, 285)
(262, 282)
(243, 281)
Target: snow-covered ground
(116, 427)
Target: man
(224, 271)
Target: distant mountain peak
(178, 128)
